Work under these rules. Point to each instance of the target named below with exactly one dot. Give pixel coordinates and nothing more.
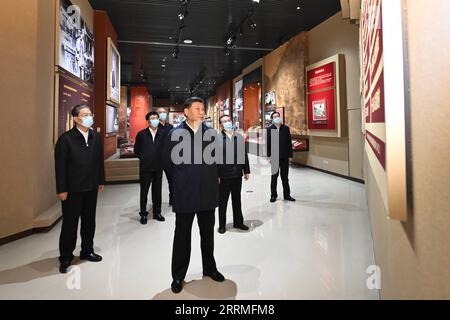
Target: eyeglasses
(86, 115)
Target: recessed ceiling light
(177, 87)
(298, 8)
(188, 41)
(163, 65)
(257, 43)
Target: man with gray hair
(80, 174)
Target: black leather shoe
(159, 217)
(176, 286)
(242, 227)
(216, 276)
(289, 199)
(143, 219)
(273, 199)
(64, 265)
(92, 257)
(222, 230)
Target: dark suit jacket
(148, 151)
(79, 167)
(234, 169)
(166, 128)
(195, 186)
(285, 142)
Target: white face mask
(163, 116)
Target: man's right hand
(63, 196)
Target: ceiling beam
(170, 44)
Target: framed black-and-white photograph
(75, 43)
(113, 73)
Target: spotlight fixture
(181, 16)
(175, 53)
(188, 41)
(252, 24)
(257, 1)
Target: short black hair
(76, 109)
(225, 115)
(274, 113)
(151, 113)
(189, 101)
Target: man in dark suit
(230, 174)
(195, 191)
(165, 127)
(80, 174)
(148, 148)
(283, 148)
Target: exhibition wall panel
(338, 155)
(414, 256)
(284, 74)
(103, 30)
(28, 68)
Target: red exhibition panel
(322, 77)
(377, 114)
(322, 110)
(140, 106)
(378, 147)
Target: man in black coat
(80, 174)
(165, 127)
(235, 165)
(284, 154)
(148, 147)
(195, 191)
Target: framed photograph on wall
(320, 112)
(74, 42)
(113, 73)
(112, 120)
(176, 118)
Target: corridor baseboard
(331, 173)
(29, 232)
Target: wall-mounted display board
(238, 104)
(326, 97)
(384, 97)
(74, 42)
(113, 74)
(69, 93)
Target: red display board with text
(323, 97)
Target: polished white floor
(316, 248)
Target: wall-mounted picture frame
(176, 118)
(74, 42)
(113, 73)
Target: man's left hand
(246, 176)
(101, 188)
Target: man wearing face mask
(196, 186)
(80, 174)
(231, 171)
(148, 148)
(165, 128)
(285, 155)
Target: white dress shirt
(153, 132)
(85, 135)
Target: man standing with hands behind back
(80, 174)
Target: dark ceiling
(148, 32)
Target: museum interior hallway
(319, 247)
